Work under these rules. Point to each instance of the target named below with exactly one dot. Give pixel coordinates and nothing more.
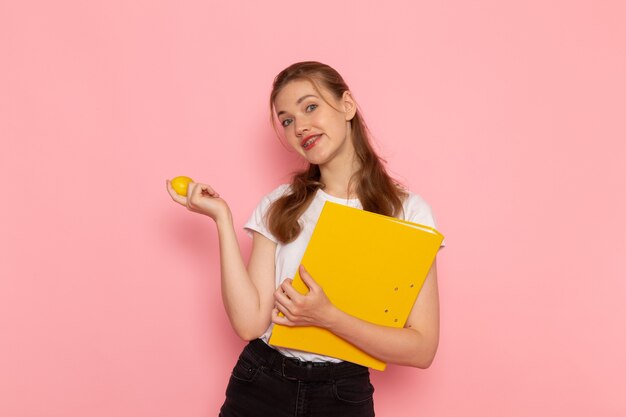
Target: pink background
(507, 117)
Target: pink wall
(508, 119)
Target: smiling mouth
(310, 141)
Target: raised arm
(246, 291)
(414, 345)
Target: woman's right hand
(200, 198)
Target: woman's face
(316, 130)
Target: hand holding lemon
(197, 197)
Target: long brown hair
(375, 189)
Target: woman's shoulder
(413, 200)
(417, 210)
(272, 196)
(277, 192)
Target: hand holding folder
(305, 309)
(370, 266)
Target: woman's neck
(336, 179)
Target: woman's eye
(286, 122)
(311, 107)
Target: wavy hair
(375, 189)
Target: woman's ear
(349, 105)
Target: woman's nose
(301, 128)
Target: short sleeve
(417, 210)
(258, 220)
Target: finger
(191, 188)
(285, 312)
(175, 196)
(208, 190)
(289, 290)
(277, 319)
(190, 201)
(194, 195)
(200, 191)
(282, 299)
(307, 278)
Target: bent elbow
(424, 359)
(424, 363)
(247, 337)
(249, 333)
(420, 361)
(248, 329)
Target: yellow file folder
(370, 266)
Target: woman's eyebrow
(303, 97)
(298, 102)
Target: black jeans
(265, 383)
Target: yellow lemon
(180, 184)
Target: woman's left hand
(310, 309)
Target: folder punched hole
(386, 310)
(412, 285)
(395, 289)
(395, 320)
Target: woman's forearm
(402, 346)
(239, 294)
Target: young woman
(320, 120)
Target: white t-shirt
(287, 257)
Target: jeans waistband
(295, 369)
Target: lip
(305, 140)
